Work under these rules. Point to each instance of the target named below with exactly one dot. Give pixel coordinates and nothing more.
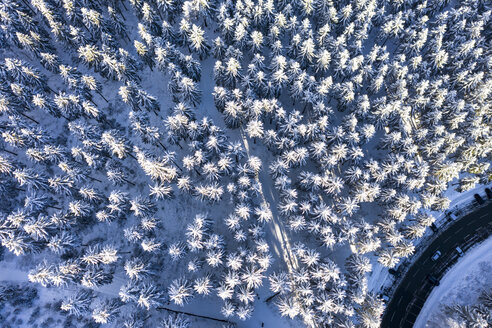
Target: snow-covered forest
(162, 156)
(477, 314)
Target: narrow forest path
(278, 236)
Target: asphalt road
(413, 289)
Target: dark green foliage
(17, 295)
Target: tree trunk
(385, 40)
(129, 182)
(126, 35)
(90, 99)
(28, 6)
(93, 179)
(100, 93)
(28, 117)
(162, 145)
(8, 151)
(271, 297)
(179, 167)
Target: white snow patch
(462, 285)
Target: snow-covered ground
(461, 285)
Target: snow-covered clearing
(11, 274)
(462, 284)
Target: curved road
(413, 289)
